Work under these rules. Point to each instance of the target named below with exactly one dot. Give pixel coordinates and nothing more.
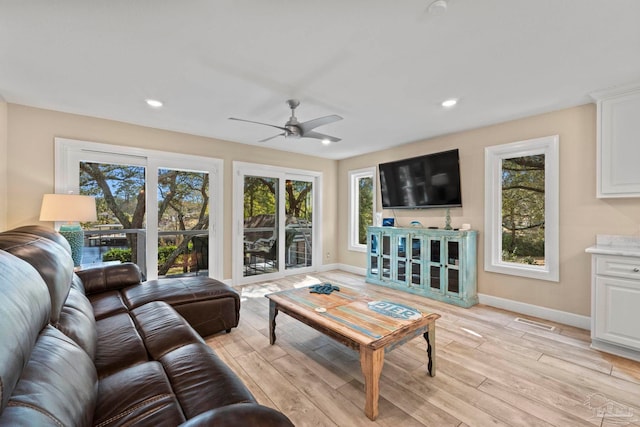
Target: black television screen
(429, 181)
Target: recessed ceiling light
(449, 103)
(153, 103)
(326, 142)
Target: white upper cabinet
(618, 157)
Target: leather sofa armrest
(240, 414)
(109, 277)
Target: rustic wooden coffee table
(368, 323)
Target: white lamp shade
(68, 207)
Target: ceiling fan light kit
(295, 129)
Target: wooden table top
(348, 313)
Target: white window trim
(354, 197)
(69, 152)
(549, 146)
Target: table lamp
(71, 208)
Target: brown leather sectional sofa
(100, 348)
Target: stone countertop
(615, 245)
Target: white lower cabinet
(615, 315)
(618, 311)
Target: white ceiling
(384, 65)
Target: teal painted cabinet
(439, 264)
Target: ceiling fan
(294, 129)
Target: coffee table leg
(273, 312)
(430, 337)
(371, 362)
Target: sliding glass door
(260, 225)
(274, 215)
(118, 234)
(299, 223)
(183, 222)
(158, 210)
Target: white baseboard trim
(351, 269)
(328, 267)
(564, 317)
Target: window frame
(354, 197)
(69, 153)
(494, 155)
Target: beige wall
(30, 169)
(3, 165)
(27, 136)
(582, 215)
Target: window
(522, 208)
(362, 204)
(173, 238)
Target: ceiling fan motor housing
(293, 131)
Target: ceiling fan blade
(259, 123)
(312, 124)
(318, 135)
(272, 137)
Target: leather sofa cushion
(68, 395)
(202, 381)
(149, 398)
(154, 320)
(183, 290)
(211, 316)
(187, 367)
(240, 414)
(120, 344)
(101, 279)
(50, 260)
(77, 321)
(207, 304)
(23, 313)
(47, 233)
(107, 303)
(76, 283)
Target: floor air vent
(535, 324)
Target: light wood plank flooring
(491, 370)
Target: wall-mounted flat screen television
(429, 181)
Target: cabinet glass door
(386, 256)
(416, 262)
(401, 258)
(435, 264)
(374, 254)
(453, 266)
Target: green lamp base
(75, 236)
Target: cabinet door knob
(635, 270)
